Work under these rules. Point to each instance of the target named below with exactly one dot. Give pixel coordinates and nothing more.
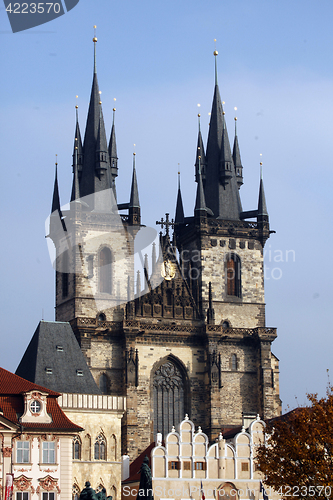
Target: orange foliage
(297, 459)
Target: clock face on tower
(35, 406)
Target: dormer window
(48, 371)
(60, 348)
(79, 373)
(35, 406)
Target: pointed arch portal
(169, 400)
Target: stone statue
(88, 493)
(146, 484)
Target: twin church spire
(95, 162)
(219, 171)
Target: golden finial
(235, 110)
(114, 109)
(134, 150)
(223, 112)
(199, 115)
(56, 162)
(95, 39)
(215, 51)
(76, 106)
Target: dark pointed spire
(102, 159)
(200, 202)
(56, 197)
(220, 185)
(57, 223)
(113, 154)
(134, 204)
(262, 208)
(78, 142)
(201, 153)
(75, 188)
(237, 158)
(134, 198)
(226, 170)
(179, 215)
(77, 160)
(92, 180)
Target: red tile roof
(12, 388)
(13, 384)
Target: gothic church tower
(187, 333)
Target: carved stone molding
(23, 483)
(48, 483)
(7, 451)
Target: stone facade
(100, 417)
(186, 332)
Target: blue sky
(156, 59)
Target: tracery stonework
(168, 397)
(7, 451)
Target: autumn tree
(297, 457)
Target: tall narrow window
(76, 448)
(169, 397)
(48, 452)
(233, 363)
(233, 275)
(22, 452)
(103, 383)
(105, 271)
(100, 448)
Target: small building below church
(187, 467)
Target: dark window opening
(234, 276)
(105, 274)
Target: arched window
(105, 270)
(225, 324)
(103, 383)
(233, 363)
(233, 265)
(100, 448)
(76, 448)
(101, 317)
(169, 397)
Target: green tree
(297, 457)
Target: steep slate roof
(12, 388)
(44, 352)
